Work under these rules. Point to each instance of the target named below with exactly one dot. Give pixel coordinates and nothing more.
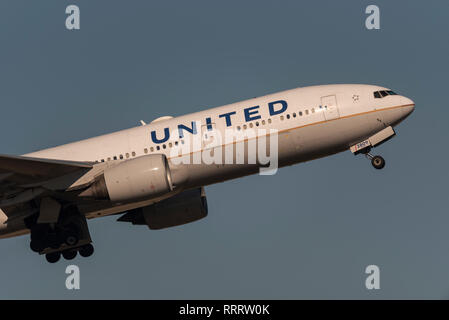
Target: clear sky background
(307, 232)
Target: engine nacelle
(185, 207)
(139, 178)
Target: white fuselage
(312, 122)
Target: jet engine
(185, 207)
(143, 177)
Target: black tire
(36, 245)
(86, 251)
(53, 257)
(378, 162)
(69, 254)
(71, 239)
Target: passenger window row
(304, 112)
(145, 150)
(252, 124)
(282, 117)
(244, 127)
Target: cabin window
(109, 158)
(102, 160)
(282, 117)
(300, 113)
(269, 120)
(294, 115)
(170, 144)
(133, 154)
(307, 111)
(313, 110)
(158, 148)
(263, 122)
(121, 157)
(115, 157)
(164, 146)
(288, 116)
(145, 150)
(127, 155)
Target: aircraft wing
(38, 167)
(19, 173)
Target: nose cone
(408, 106)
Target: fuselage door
(329, 104)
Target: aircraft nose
(409, 106)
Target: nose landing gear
(377, 161)
(364, 147)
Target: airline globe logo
(250, 142)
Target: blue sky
(307, 232)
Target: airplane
(137, 173)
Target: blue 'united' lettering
(250, 114)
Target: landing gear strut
(44, 235)
(377, 161)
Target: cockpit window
(383, 93)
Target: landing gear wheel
(378, 162)
(69, 254)
(87, 250)
(71, 239)
(53, 257)
(36, 245)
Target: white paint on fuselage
(359, 116)
(138, 139)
